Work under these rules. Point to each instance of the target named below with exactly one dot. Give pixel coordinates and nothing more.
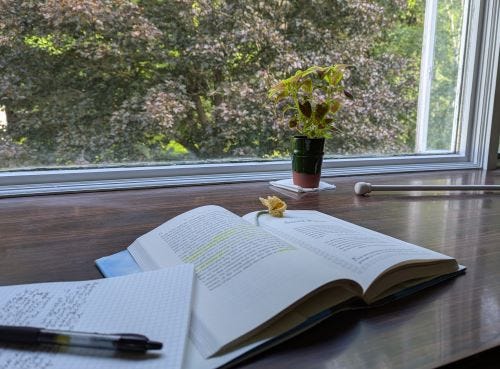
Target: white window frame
(475, 117)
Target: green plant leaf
(277, 90)
(334, 76)
(306, 109)
(335, 106)
(311, 70)
(307, 86)
(321, 110)
(309, 98)
(280, 97)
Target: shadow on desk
(334, 337)
(488, 359)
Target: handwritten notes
(156, 304)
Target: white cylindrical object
(362, 188)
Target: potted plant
(309, 101)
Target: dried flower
(275, 205)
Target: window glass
(445, 72)
(112, 82)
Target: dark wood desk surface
(57, 238)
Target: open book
(258, 276)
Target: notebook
(155, 304)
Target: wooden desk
(56, 238)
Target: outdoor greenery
(121, 81)
(446, 63)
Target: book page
(155, 304)
(291, 324)
(244, 275)
(358, 253)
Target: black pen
(120, 341)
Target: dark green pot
(307, 159)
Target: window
(437, 123)
(105, 94)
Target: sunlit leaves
(312, 96)
(92, 81)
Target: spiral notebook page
(156, 304)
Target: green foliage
(446, 64)
(93, 82)
(311, 98)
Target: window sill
(106, 179)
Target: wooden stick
(362, 188)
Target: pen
(120, 341)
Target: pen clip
(136, 342)
(132, 336)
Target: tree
(96, 81)
(446, 72)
